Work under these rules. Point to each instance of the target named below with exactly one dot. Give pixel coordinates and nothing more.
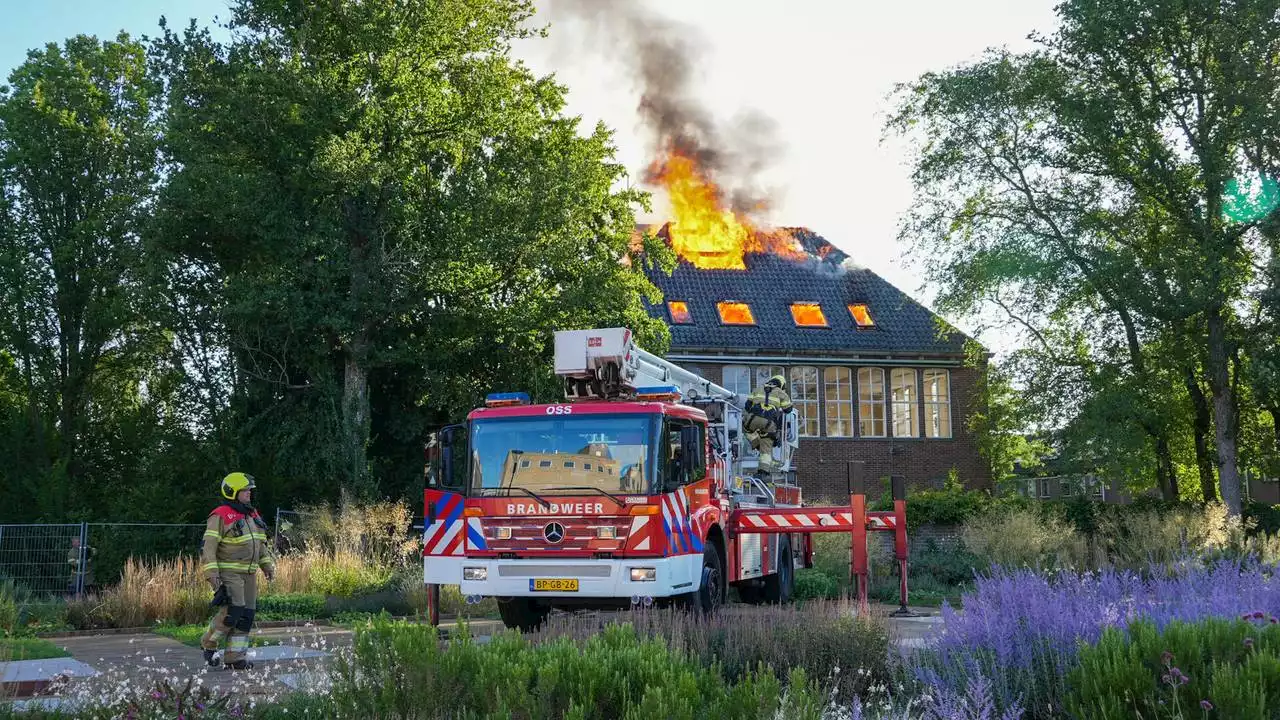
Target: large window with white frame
(837, 398)
(937, 403)
(902, 388)
(737, 378)
(871, 402)
(804, 396)
(764, 372)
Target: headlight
(503, 533)
(475, 574)
(643, 574)
(607, 532)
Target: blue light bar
(506, 399)
(658, 392)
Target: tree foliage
(1083, 189)
(292, 252)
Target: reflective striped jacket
(235, 542)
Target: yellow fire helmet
(234, 483)
(775, 381)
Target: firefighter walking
(235, 546)
(763, 420)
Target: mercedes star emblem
(553, 532)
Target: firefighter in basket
(235, 546)
(763, 420)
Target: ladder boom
(607, 364)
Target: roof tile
(771, 283)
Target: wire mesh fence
(111, 545)
(45, 559)
(78, 558)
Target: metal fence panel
(111, 545)
(45, 559)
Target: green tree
(77, 171)
(398, 215)
(1083, 187)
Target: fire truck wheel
(710, 596)
(522, 613)
(778, 586)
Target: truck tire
(711, 594)
(779, 587)
(522, 613)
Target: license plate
(554, 585)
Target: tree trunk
(1223, 412)
(1201, 428)
(355, 415)
(1166, 480)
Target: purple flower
(156, 694)
(1248, 642)
(1205, 705)
(1021, 628)
(1166, 658)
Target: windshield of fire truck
(613, 453)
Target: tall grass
(1017, 537)
(170, 591)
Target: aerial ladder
(609, 364)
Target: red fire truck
(640, 488)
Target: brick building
(872, 374)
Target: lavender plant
(1024, 629)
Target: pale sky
(820, 68)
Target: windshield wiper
(606, 493)
(530, 493)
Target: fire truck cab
(618, 496)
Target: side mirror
(451, 448)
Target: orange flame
(735, 313)
(703, 231)
(808, 315)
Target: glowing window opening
(735, 313)
(680, 312)
(861, 315)
(808, 315)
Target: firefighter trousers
(234, 620)
(760, 431)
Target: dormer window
(808, 315)
(679, 310)
(861, 315)
(735, 313)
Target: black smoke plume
(662, 56)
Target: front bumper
(596, 578)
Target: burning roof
(783, 303)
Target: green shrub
(951, 565)
(402, 670)
(826, 639)
(348, 577)
(8, 607)
(814, 584)
(1231, 665)
(291, 606)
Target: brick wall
(924, 462)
